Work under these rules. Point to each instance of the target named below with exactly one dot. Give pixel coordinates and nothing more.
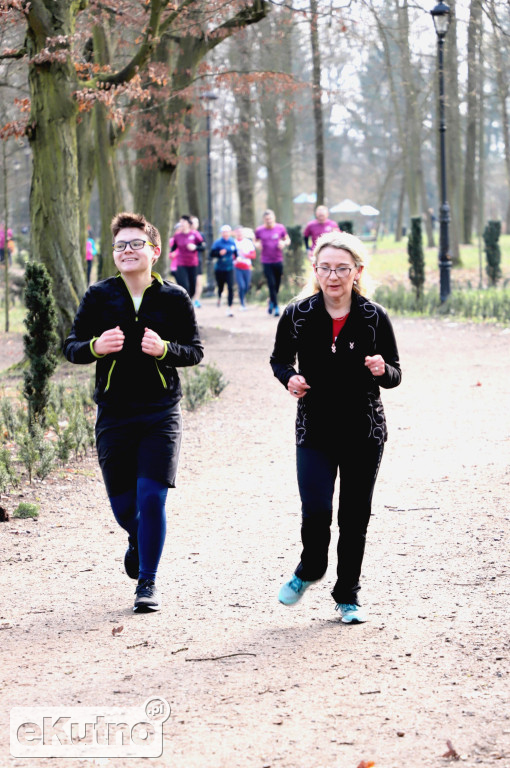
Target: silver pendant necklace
(333, 346)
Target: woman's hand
(375, 365)
(109, 341)
(191, 246)
(297, 386)
(152, 343)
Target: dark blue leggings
(141, 512)
(273, 274)
(243, 277)
(317, 470)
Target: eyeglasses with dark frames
(339, 271)
(136, 245)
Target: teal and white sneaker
(293, 590)
(351, 614)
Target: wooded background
(103, 106)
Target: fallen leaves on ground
(452, 753)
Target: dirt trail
(294, 687)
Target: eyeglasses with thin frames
(136, 245)
(341, 272)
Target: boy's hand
(109, 341)
(152, 344)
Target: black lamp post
(441, 17)
(209, 96)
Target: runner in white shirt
(243, 263)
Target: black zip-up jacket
(131, 378)
(344, 398)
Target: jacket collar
(155, 275)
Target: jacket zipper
(163, 380)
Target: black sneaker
(131, 561)
(147, 597)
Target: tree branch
(246, 17)
(173, 16)
(151, 36)
(14, 54)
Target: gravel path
(293, 688)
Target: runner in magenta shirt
(314, 229)
(183, 239)
(187, 242)
(272, 238)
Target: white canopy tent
(305, 198)
(346, 206)
(369, 210)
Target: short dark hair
(125, 220)
(186, 218)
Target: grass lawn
(16, 315)
(389, 263)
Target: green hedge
(491, 304)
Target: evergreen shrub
(491, 235)
(416, 258)
(40, 341)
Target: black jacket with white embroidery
(344, 398)
(130, 378)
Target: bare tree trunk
(6, 229)
(383, 192)
(86, 173)
(471, 117)
(503, 92)
(481, 162)
(107, 136)
(279, 140)
(108, 183)
(400, 211)
(241, 56)
(54, 197)
(191, 178)
(453, 138)
(411, 133)
(429, 229)
(241, 144)
(320, 176)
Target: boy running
(137, 328)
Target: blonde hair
(342, 241)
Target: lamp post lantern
(208, 97)
(441, 17)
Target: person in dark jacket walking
(224, 251)
(346, 351)
(137, 328)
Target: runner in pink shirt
(187, 243)
(272, 238)
(314, 229)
